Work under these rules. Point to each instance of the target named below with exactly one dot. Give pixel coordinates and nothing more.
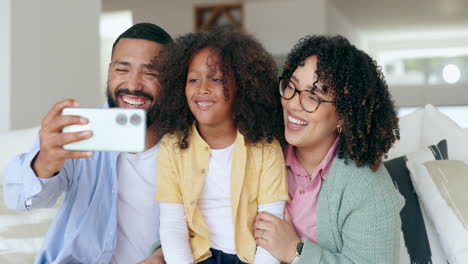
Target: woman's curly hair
(363, 103)
(257, 107)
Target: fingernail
(76, 103)
(86, 133)
(83, 120)
(89, 154)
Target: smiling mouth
(297, 122)
(203, 105)
(133, 101)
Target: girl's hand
(276, 236)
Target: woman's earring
(339, 129)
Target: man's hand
(276, 236)
(51, 157)
(156, 258)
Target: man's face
(132, 82)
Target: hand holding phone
(51, 156)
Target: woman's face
(304, 129)
(204, 89)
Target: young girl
(219, 163)
(339, 122)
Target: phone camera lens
(135, 119)
(121, 119)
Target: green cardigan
(358, 218)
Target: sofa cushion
(13, 143)
(22, 233)
(410, 134)
(441, 188)
(438, 126)
(420, 245)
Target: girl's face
(204, 90)
(304, 129)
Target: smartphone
(113, 129)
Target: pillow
(410, 135)
(416, 232)
(22, 233)
(438, 126)
(15, 142)
(441, 187)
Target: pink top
(303, 191)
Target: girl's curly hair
(363, 102)
(257, 107)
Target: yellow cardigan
(258, 176)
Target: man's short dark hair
(146, 31)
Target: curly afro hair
(363, 103)
(257, 106)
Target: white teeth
(132, 101)
(296, 121)
(204, 104)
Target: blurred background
(56, 49)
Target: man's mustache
(134, 93)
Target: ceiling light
(451, 73)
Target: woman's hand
(276, 236)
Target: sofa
(432, 149)
(21, 234)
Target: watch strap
(299, 247)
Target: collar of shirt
(293, 164)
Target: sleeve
(273, 180)
(167, 182)
(277, 209)
(23, 190)
(371, 231)
(174, 234)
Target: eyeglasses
(307, 98)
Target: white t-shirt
(137, 209)
(215, 201)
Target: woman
(339, 122)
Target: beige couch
(420, 129)
(21, 234)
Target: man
(108, 214)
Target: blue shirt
(84, 230)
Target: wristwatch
(299, 247)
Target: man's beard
(150, 114)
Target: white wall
(338, 24)
(5, 65)
(55, 55)
(176, 17)
(278, 24)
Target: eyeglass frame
(320, 100)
